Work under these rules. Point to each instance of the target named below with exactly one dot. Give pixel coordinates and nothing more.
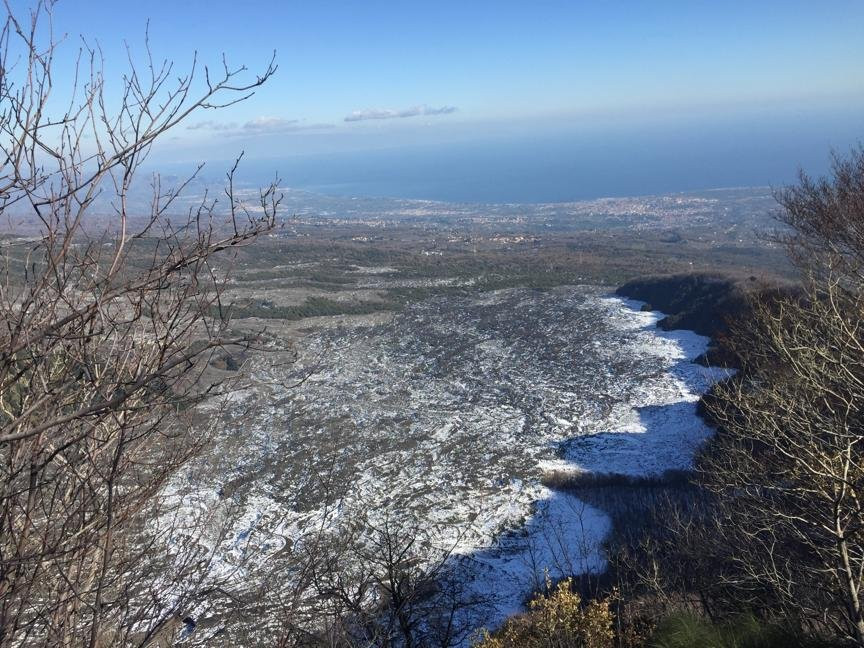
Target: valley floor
(445, 418)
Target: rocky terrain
(446, 416)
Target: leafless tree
(787, 464)
(382, 582)
(104, 342)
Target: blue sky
(453, 71)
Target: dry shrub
(557, 618)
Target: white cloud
(384, 113)
(212, 125)
(270, 125)
(259, 126)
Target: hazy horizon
(503, 101)
(571, 164)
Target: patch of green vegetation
(313, 276)
(324, 277)
(312, 307)
(746, 631)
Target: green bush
(746, 631)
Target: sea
(572, 163)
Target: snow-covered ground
(449, 416)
